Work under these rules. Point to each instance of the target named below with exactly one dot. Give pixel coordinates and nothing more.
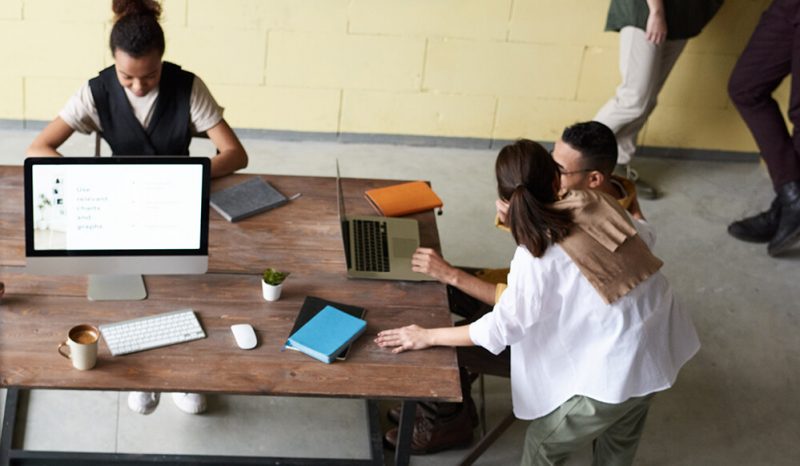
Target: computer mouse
(245, 336)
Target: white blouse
(566, 341)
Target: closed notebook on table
(327, 334)
(246, 199)
(312, 305)
(403, 199)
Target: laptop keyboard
(371, 246)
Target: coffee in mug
(82, 345)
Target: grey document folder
(245, 199)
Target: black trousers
(772, 53)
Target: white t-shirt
(81, 114)
(565, 340)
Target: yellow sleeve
(501, 287)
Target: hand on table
(411, 337)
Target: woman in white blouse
(593, 326)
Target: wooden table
(303, 238)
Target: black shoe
(759, 228)
(788, 231)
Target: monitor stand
(116, 288)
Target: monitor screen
(116, 215)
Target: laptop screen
(345, 225)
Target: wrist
(455, 277)
(429, 337)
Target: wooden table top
(302, 237)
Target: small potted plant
(271, 283)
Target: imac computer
(116, 218)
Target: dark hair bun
(136, 30)
(122, 8)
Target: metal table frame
(12, 456)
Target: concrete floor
(734, 403)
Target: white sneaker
(192, 403)
(143, 402)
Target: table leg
(405, 428)
(9, 423)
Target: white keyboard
(149, 332)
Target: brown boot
(394, 412)
(429, 410)
(434, 435)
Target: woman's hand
(501, 207)
(411, 337)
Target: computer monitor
(115, 218)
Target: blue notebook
(327, 334)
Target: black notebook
(312, 306)
(246, 199)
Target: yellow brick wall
(487, 69)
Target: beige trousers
(644, 68)
(613, 429)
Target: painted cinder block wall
(485, 69)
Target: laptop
(378, 247)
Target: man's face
(574, 175)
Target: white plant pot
(271, 292)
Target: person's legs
(617, 445)
(764, 63)
(788, 231)
(644, 68)
(772, 53)
(664, 58)
(550, 440)
(638, 63)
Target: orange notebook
(403, 199)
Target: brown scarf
(605, 246)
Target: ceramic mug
(82, 344)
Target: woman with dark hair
(593, 326)
(142, 105)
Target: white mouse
(245, 336)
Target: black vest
(168, 132)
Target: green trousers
(615, 430)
